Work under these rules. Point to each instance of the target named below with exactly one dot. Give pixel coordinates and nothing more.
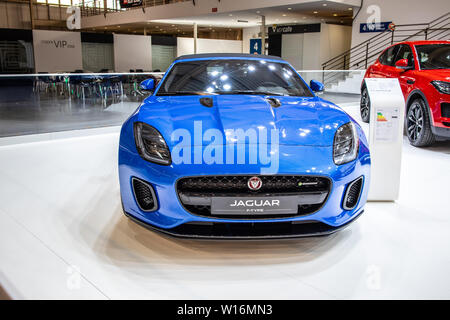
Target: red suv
(423, 70)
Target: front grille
(352, 194)
(207, 187)
(445, 110)
(144, 194)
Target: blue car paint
(307, 154)
(147, 85)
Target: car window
(434, 56)
(234, 76)
(405, 52)
(388, 56)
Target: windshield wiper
(198, 93)
(181, 93)
(266, 93)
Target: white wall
(292, 49)
(57, 51)
(307, 51)
(132, 52)
(400, 12)
(186, 46)
(335, 39)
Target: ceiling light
(258, 11)
(230, 15)
(324, 4)
(334, 14)
(284, 15)
(315, 12)
(289, 8)
(350, 9)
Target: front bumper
(248, 231)
(173, 219)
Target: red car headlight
(441, 86)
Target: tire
(418, 126)
(365, 106)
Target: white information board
(387, 113)
(57, 51)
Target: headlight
(150, 144)
(442, 86)
(346, 143)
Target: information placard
(387, 113)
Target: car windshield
(434, 56)
(233, 76)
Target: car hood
(439, 74)
(299, 121)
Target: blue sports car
(236, 146)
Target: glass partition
(42, 103)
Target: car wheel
(365, 106)
(418, 126)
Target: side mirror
(147, 85)
(402, 64)
(316, 86)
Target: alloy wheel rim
(415, 122)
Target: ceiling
(315, 12)
(230, 24)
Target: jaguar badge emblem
(254, 183)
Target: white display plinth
(387, 114)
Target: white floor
(63, 235)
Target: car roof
(213, 56)
(422, 42)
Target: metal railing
(96, 7)
(365, 53)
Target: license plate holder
(254, 205)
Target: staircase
(358, 58)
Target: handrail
(385, 32)
(365, 52)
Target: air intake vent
(144, 194)
(445, 110)
(352, 194)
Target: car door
(384, 66)
(405, 77)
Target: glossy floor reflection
(38, 115)
(63, 235)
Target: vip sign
(61, 44)
(57, 51)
